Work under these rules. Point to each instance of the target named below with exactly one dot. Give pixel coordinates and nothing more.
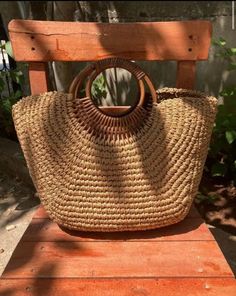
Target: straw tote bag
(136, 170)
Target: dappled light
(146, 232)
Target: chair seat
(182, 259)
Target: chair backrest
(38, 42)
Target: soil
(17, 206)
(14, 193)
(217, 203)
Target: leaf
(210, 198)
(200, 198)
(8, 49)
(218, 169)
(2, 84)
(225, 122)
(230, 136)
(216, 146)
(233, 50)
(232, 66)
(17, 76)
(99, 88)
(220, 42)
(232, 121)
(17, 94)
(226, 92)
(221, 109)
(6, 105)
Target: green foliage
(8, 49)
(221, 161)
(9, 97)
(98, 88)
(206, 198)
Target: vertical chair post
(38, 77)
(186, 71)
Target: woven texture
(100, 173)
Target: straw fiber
(95, 172)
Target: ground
(17, 205)
(217, 206)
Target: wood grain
(38, 78)
(117, 259)
(77, 41)
(181, 259)
(118, 287)
(185, 77)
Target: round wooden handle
(93, 70)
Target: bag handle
(93, 70)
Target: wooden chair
(183, 259)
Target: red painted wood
(46, 230)
(84, 41)
(186, 71)
(117, 259)
(182, 259)
(38, 78)
(118, 287)
(40, 213)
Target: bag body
(96, 172)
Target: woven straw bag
(135, 170)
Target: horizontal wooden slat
(40, 213)
(45, 230)
(117, 259)
(118, 287)
(78, 41)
